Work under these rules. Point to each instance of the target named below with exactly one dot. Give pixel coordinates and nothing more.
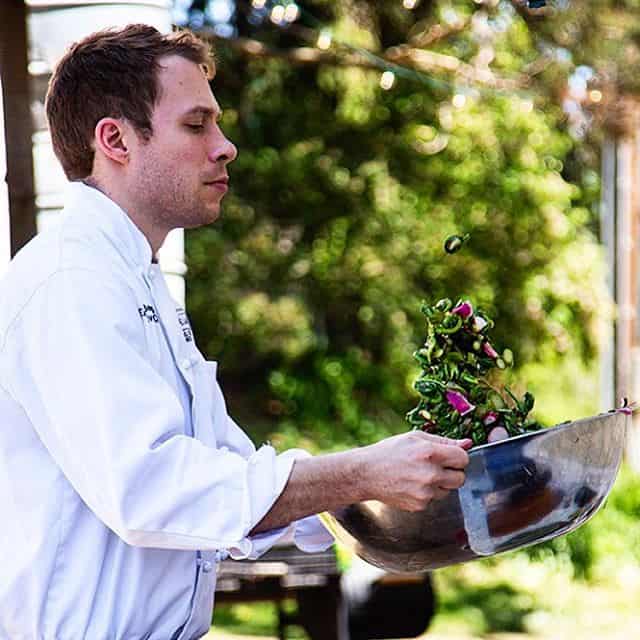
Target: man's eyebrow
(204, 111)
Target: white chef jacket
(122, 478)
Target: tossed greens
(457, 398)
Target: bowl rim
(560, 426)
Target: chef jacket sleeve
(79, 367)
(308, 534)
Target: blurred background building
(33, 36)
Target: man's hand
(407, 471)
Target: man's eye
(196, 127)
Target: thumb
(465, 443)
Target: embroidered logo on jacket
(148, 313)
(184, 324)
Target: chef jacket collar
(112, 220)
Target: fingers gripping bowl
(517, 492)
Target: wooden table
(312, 580)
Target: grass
(537, 598)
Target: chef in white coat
(123, 480)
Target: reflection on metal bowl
(517, 492)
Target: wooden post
(624, 266)
(633, 437)
(608, 358)
(17, 116)
(620, 229)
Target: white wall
(52, 26)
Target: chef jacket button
(186, 363)
(206, 566)
(221, 554)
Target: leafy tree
(308, 288)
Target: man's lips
(221, 184)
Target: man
(122, 478)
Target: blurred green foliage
(308, 288)
(492, 608)
(601, 34)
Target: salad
(458, 394)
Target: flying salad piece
(457, 400)
(458, 395)
(454, 243)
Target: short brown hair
(111, 73)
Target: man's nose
(223, 151)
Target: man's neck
(153, 233)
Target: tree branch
(437, 32)
(416, 59)
(430, 61)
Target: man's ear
(110, 137)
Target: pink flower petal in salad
(489, 418)
(459, 402)
(464, 309)
(489, 350)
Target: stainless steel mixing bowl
(517, 492)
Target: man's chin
(212, 215)
(206, 215)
